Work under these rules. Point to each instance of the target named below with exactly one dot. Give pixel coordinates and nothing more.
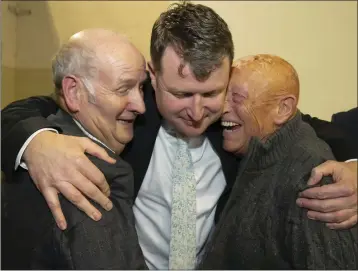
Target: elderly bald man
(261, 226)
(98, 76)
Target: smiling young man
(191, 56)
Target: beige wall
(8, 54)
(52, 22)
(318, 38)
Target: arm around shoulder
(19, 120)
(343, 146)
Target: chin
(232, 148)
(192, 132)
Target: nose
(227, 106)
(136, 101)
(196, 112)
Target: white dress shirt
(152, 207)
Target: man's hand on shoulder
(58, 164)
(335, 204)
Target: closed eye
(183, 95)
(212, 94)
(237, 97)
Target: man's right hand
(58, 164)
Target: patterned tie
(183, 217)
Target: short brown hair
(196, 33)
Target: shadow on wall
(36, 43)
(8, 52)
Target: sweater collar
(263, 154)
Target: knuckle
(86, 141)
(57, 178)
(351, 190)
(53, 205)
(339, 217)
(330, 163)
(99, 179)
(321, 195)
(324, 206)
(78, 160)
(314, 171)
(92, 193)
(76, 197)
(106, 190)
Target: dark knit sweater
(261, 226)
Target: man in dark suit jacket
(30, 236)
(186, 91)
(348, 120)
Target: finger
(332, 217)
(325, 169)
(75, 196)
(328, 205)
(92, 192)
(51, 196)
(327, 191)
(345, 224)
(93, 174)
(95, 150)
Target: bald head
(262, 96)
(103, 42)
(91, 53)
(266, 74)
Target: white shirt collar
(193, 142)
(91, 136)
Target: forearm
(19, 121)
(37, 106)
(343, 146)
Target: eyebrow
(130, 81)
(174, 90)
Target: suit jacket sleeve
(19, 120)
(343, 146)
(112, 242)
(312, 245)
(348, 121)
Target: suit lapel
(229, 162)
(139, 151)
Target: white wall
(318, 37)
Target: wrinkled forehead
(118, 65)
(260, 73)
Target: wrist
(37, 143)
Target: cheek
(215, 105)
(171, 104)
(249, 118)
(112, 107)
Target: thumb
(95, 150)
(325, 169)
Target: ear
(71, 94)
(286, 108)
(152, 75)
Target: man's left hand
(334, 203)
